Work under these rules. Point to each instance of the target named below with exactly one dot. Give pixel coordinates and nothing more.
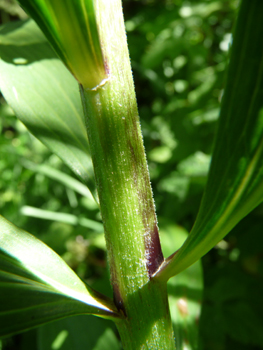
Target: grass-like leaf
(235, 181)
(57, 175)
(71, 28)
(44, 95)
(37, 286)
(62, 217)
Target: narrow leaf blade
(62, 217)
(235, 181)
(57, 175)
(37, 286)
(85, 59)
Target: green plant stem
(125, 195)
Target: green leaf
(58, 175)
(85, 332)
(61, 217)
(71, 28)
(37, 286)
(44, 95)
(235, 182)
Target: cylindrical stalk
(124, 190)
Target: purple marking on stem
(153, 251)
(118, 301)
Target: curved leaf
(44, 95)
(37, 286)
(235, 181)
(65, 179)
(71, 28)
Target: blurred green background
(179, 53)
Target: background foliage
(179, 52)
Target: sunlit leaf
(235, 182)
(70, 27)
(44, 95)
(37, 286)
